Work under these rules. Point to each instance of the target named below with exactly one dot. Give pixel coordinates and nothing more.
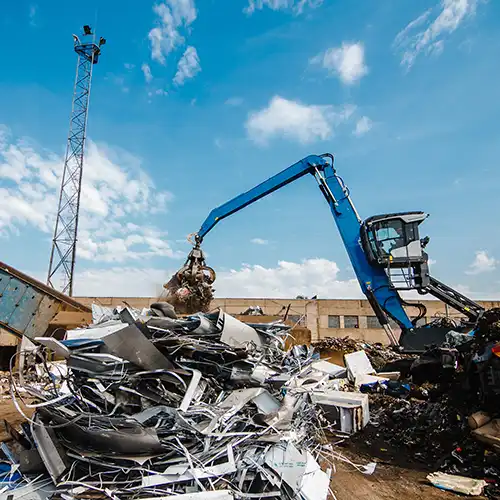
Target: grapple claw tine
(190, 289)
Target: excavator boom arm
(290, 174)
(374, 282)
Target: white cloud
(297, 6)
(174, 16)
(120, 282)
(437, 48)
(474, 295)
(117, 199)
(482, 263)
(296, 121)
(427, 33)
(402, 35)
(234, 101)
(259, 241)
(188, 66)
(347, 62)
(32, 14)
(286, 280)
(118, 80)
(363, 125)
(147, 72)
(131, 244)
(129, 66)
(289, 279)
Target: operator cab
(392, 240)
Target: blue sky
(195, 101)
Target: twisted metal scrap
(190, 289)
(207, 444)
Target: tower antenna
(63, 253)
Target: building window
(373, 322)
(393, 324)
(333, 321)
(297, 319)
(351, 322)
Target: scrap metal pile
(146, 406)
(441, 416)
(378, 354)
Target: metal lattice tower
(63, 253)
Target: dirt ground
(8, 412)
(387, 482)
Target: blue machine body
(374, 281)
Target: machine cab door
(392, 240)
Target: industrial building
(324, 317)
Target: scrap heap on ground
(146, 405)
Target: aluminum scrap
(162, 406)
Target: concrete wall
(311, 313)
(7, 339)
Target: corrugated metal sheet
(27, 306)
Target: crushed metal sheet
(332, 369)
(39, 489)
(262, 373)
(288, 462)
(8, 453)
(202, 495)
(51, 452)
(205, 325)
(95, 332)
(266, 403)
(127, 315)
(55, 345)
(141, 460)
(238, 399)
(128, 438)
(100, 314)
(145, 415)
(315, 482)
(369, 468)
(193, 386)
(357, 363)
(282, 418)
(131, 344)
(30, 462)
(189, 474)
(235, 332)
(348, 412)
(457, 484)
